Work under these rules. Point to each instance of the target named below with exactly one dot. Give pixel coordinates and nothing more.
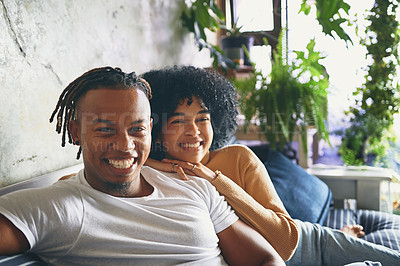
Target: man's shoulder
(60, 197)
(154, 174)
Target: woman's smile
(188, 133)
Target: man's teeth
(191, 145)
(121, 164)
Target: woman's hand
(166, 167)
(182, 168)
(196, 169)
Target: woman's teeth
(190, 145)
(121, 164)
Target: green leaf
(305, 8)
(326, 12)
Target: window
(260, 18)
(251, 15)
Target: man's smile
(122, 163)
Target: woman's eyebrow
(204, 111)
(177, 114)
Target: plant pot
(232, 47)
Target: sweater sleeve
(257, 203)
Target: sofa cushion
(380, 227)
(305, 196)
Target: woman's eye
(177, 122)
(203, 119)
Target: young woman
(194, 113)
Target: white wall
(46, 44)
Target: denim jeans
(319, 245)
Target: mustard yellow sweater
(260, 207)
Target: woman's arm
(239, 164)
(277, 227)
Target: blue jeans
(320, 245)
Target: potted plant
(281, 104)
(233, 42)
(205, 14)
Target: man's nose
(125, 142)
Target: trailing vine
(378, 98)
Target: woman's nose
(192, 129)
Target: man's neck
(144, 188)
(139, 187)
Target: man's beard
(119, 189)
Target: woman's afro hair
(172, 85)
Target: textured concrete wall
(45, 44)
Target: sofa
(305, 197)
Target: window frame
(272, 35)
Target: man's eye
(105, 130)
(137, 129)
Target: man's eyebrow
(99, 120)
(139, 121)
(108, 122)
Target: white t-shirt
(70, 223)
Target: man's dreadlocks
(103, 77)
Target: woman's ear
(75, 132)
(158, 138)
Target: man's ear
(74, 130)
(151, 124)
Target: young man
(115, 210)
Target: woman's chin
(190, 159)
(185, 156)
